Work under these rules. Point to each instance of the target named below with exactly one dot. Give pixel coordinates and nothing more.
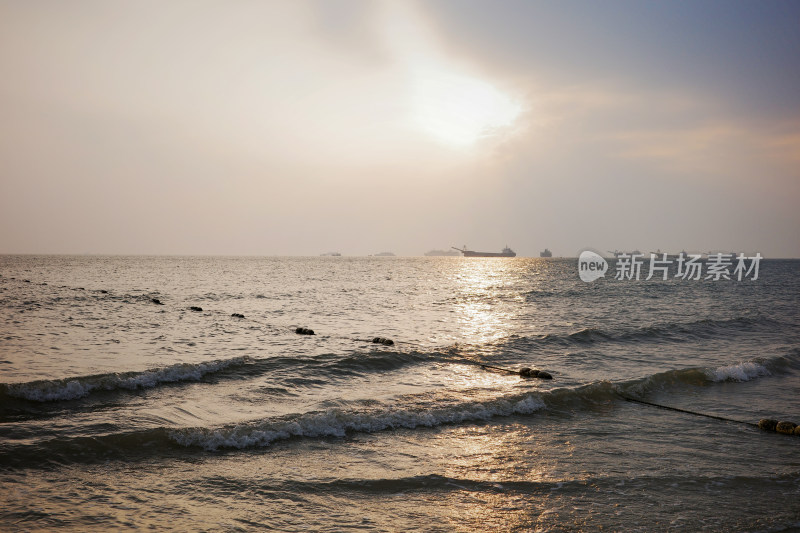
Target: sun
(449, 99)
(459, 110)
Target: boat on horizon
(507, 252)
(670, 257)
(617, 253)
(546, 253)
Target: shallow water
(120, 412)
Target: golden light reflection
(486, 304)
(480, 454)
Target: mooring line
(765, 424)
(483, 365)
(679, 410)
(524, 372)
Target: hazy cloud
(305, 127)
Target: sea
(174, 393)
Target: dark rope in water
(677, 409)
(482, 365)
(524, 372)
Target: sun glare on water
(459, 110)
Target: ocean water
(123, 408)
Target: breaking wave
(744, 371)
(667, 332)
(79, 387)
(741, 372)
(408, 412)
(337, 422)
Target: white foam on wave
(337, 422)
(741, 372)
(72, 389)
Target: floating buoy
(382, 340)
(523, 372)
(237, 315)
(533, 373)
(195, 308)
(154, 300)
(304, 331)
(787, 428)
(767, 424)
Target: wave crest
(337, 422)
(741, 372)
(79, 387)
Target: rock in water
(787, 428)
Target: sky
(305, 127)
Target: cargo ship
(546, 253)
(507, 252)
